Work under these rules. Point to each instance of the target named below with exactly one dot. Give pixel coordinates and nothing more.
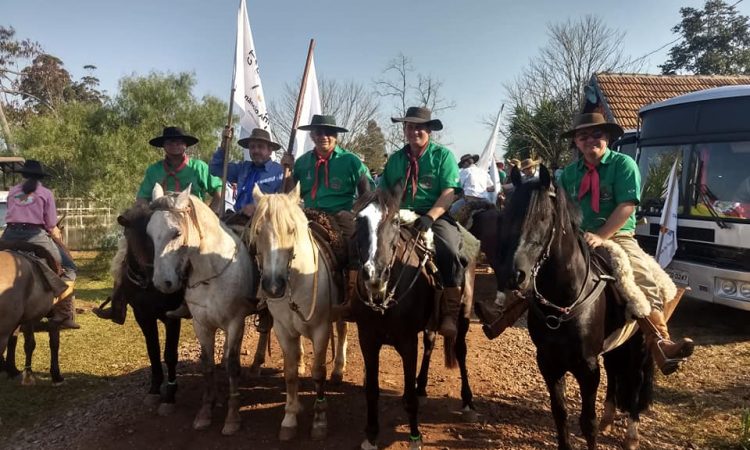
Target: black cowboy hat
(466, 157)
(594, 120)
(32, 168)
(173, 133)
(323, 121)
(421, 115)
(259, 134)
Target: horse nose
(274, 286)
(520, 277)
(168, 284)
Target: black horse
(397, 304)
(133, 286)
(541, 255)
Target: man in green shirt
(430, 176)
(330, 179)
(606, 185)
(175, 172)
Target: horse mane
(567, 212)
(386, 201)
(283, 214)
(136, 218)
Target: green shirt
(344, 172)
(619, 182)
(438, 171)
(501, 176)
(194, 173)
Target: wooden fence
(86, 222)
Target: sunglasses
(596, 134)
(323, 132)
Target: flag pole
(225, 140)
(298, 108)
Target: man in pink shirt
(32, 217)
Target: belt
(22, 225)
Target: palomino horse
(298, 286)
(397, 305)
(24, 300)
(541, 255)
(194, 251)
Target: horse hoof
(59, 382)
(469, 415)
(422, 400)
(319, 433)
(230, 428)
(287, 433)
(166, 409)
(254, 371)
(631, 444)
(605, 426)
(13, 374)
(151, 400)
(28, 380)
(415, 444)
(337, 378)
(367, 445)
(201, 424)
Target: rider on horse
(430, 174)
(607, 185)
(174, 172)
(330, 179)
(32, 217)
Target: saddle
(42, 259)
(465, 214)
(330, 236)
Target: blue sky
(472, 46)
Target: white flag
(487, 158)
(666, 247)
(310, 107)
(248, 94)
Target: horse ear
(257, 194)
(544, 176)
(157, 192)
(123, 221)
(295, 194)
(183, 200)
(515, 176)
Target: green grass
(90, 358)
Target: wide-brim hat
(173, 133)
(259, 134)
(466, 157)
(529, 162)
(323, 121)
(420, 115)
(34, 168)
(594, 120)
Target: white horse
(298, 287)
(187, 234)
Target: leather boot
(116, 313)
(495, 319)
(344, 310)
(667, 354)
(64, 314)
(182, 312)
(450, 305)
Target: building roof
(625, 94)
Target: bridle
(563, 313)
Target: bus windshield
(714, 179)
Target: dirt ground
(699, 407)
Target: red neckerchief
(173, 172)
(321, 161)
(590, 182)
(412, 171)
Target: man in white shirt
(475, 182)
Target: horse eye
(178, 233)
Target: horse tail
(449, 352)
(631, 369)
(646, 394)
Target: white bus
(708, 133)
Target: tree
(715, 40)
(371, 145)
(547, 95)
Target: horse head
(377, 232)
(529, 224)
(140, 247)
(277, 222)
(174, 234)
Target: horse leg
(555, 380)
(10, 360)
(588, 380)
(147, 323)
(320, 348)
(234, 334)
(610, 399)
(467, 403)
(301, 363)
(428, 340)
(339, 365)
(172, 328)
(260, 353)
(408, 351)
(29, 344)
(370, 348)
(54, 353)
(290, 346)
(206, 337)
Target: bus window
(723, 182)
(655, 163)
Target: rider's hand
(594, 240)
(424, 223)
(227, 132)
(287, 160)
(55, 232)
